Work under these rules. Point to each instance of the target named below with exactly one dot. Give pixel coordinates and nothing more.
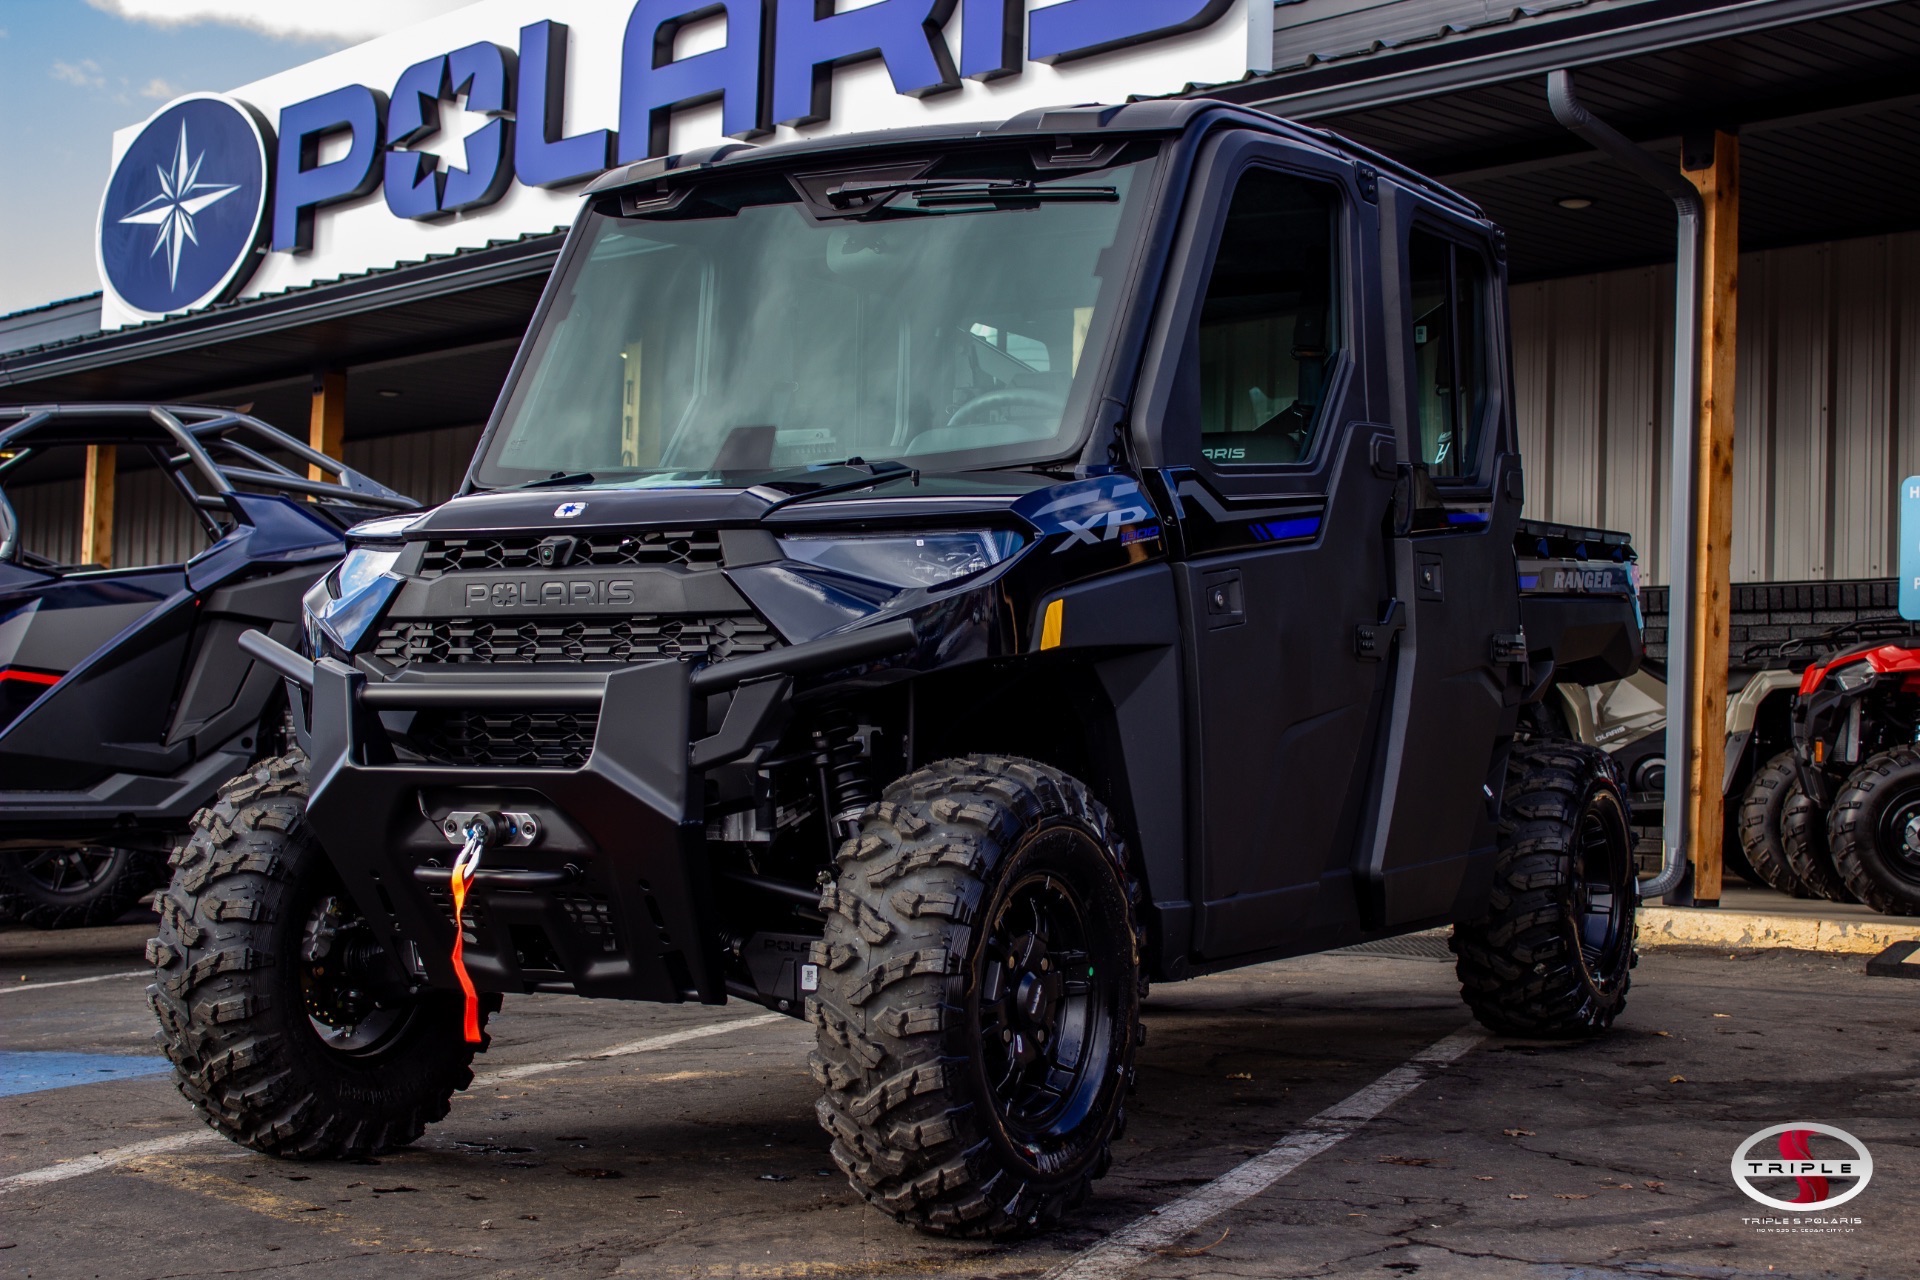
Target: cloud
(84, 73)
(159, 90)
(334, 20)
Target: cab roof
(1154, 117)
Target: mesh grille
(682, 548)
(572, 640)
(507, 739)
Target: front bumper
(609, 900)
(613, 897)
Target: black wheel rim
(70, 873)
(341, 972)
(1044, 1003)
(1602, 892)
(1899, 835)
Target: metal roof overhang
(1449, 66)
(461, 301)
(1825, 95)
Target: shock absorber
(846, 780)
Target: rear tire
(1552, 958)
(974, 1077)
(71, 888)
(287, 1029)
(1874, 830)
(1762, 811)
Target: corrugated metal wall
(1827, 408)
(153, 525)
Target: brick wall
(1769, 611)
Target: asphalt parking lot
(697, 1155)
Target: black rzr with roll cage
(124, 702)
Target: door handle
(1224, 597)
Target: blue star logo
(181, 219)
(182, 195)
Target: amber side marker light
(1051, 623)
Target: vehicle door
(1281, 515)
(1461, 654)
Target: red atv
(1857, 817)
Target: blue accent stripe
(31, 1072)
(1468, 517)
(1284, 530)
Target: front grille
(507, 739)
(572, 640)
(681, 548)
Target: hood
(585, 508)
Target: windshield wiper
(931, 193)
(557, 478)
(877, 473)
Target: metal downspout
(1682, 693)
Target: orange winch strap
(462, 878)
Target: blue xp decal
(568, 510)
(180, 221)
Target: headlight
(340, 607)
(906, 559)
(363, 567)
(1853, 675)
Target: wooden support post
(1719, 184)
(96, 507)
(327, 423)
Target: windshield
(749, 332)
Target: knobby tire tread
(889, 1016)
(233, 1032)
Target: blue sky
(74, 71)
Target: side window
(1269, 328)
(1452, 371)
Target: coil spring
(843, 764)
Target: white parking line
(74, 982)
(664, 1041)
(1127, 1248)
(100, 1160)
(104, 1160)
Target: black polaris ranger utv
(123, 701)
(933, 583)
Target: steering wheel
(1006, 398)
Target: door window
(1451, 365)
(1269, 328)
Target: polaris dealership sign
(480, 125)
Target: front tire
(1552, 958)
(288, 1029)
(1874, 831)
(1803, 836)
(979, 999)
(1763, 811)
